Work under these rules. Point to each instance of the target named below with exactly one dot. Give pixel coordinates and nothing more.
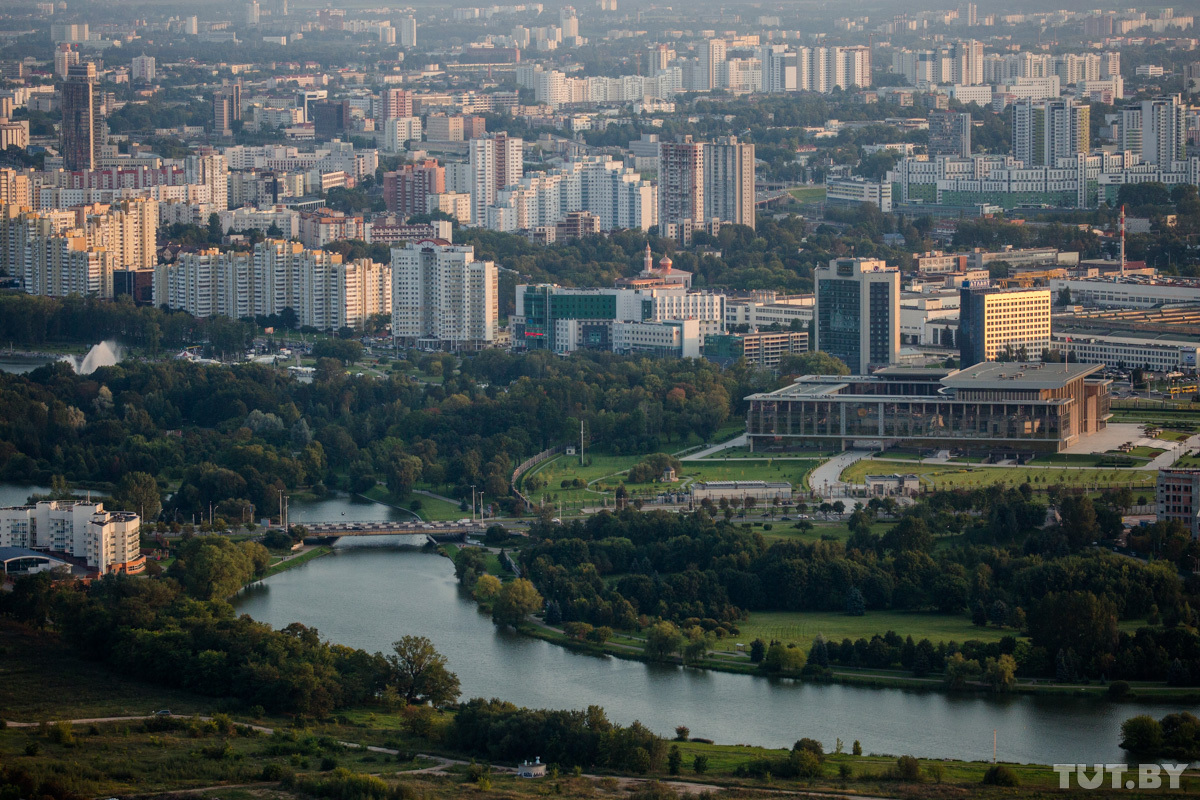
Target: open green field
(808, 194)
(938, 476)
(786, 531)
(432, 509)
(801, 627)
(603, 473)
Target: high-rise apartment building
(779, 69)
(142, 69)
(568, 21)
(1003, 324)
(82, 122)
(227, 108)
(729, 181)
(1046, 131)
(494, 162)
(949, 134)
(408, 31)
(395, 103)
(65, 57)
(1164, 130)
(712, 59)
(331, 119)
(406, 191)
(443, 297)
(680, 183)
(858, 312)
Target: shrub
(62, 733)
(328, 764)
(1000, 775)
(700, 764)
(277, 772)
(1118, 689)
(908, 769)
(33, 749)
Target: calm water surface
(368, 596)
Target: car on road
(165, 712)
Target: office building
(729, 181)
(1046, 131)
(990, 409)
(227, 108)
(407, 190)
(949, 134)
(331, 119)
(108, 541)
(1177, 497)
(762, 349)
(858, 312)
(1010, 325)
(82, 121)
(443, 297)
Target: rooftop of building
(12, 553)
(1005, 376)
(1010, 375)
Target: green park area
(802, 627)
(808, 194)
(941, 476)
(595, 481)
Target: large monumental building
(82, 122)
(858, 312)
(442, 297)
(1012, 410)
(1009, 324)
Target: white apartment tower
(443, 297)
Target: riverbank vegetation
(312, 757)
(1031, 602)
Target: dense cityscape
(621, 400)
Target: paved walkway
(737, 441)
(826, 480)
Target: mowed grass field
(603, 473)
(942, 476)
(808, 194)
(802, 627)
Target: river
(367, 596)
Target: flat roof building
(994, 323)
(1177, 496)
(990, 408)
(858, 312)
(740, 490)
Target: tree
(781, 658)
(216, 231)
(487, 589)
(663, 640)
(814, 362)
(959, 670)
(402, 473)
(758, 651)
(700, 765)
(1000, 673)
(419, 673)
(674, 760)
(1079, 622)
(213, 568)
(682, 733)
(856, 604)
(1142, 735)
(818, 654)
(138, 492)
(516, 601)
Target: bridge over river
(329, 532)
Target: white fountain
(105, 354)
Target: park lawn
(786, 531)
(801, 627)
(1142, 451)
(808, 194)
(938, 476)
(432, 509)
(1174, 436)
(740, 470)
